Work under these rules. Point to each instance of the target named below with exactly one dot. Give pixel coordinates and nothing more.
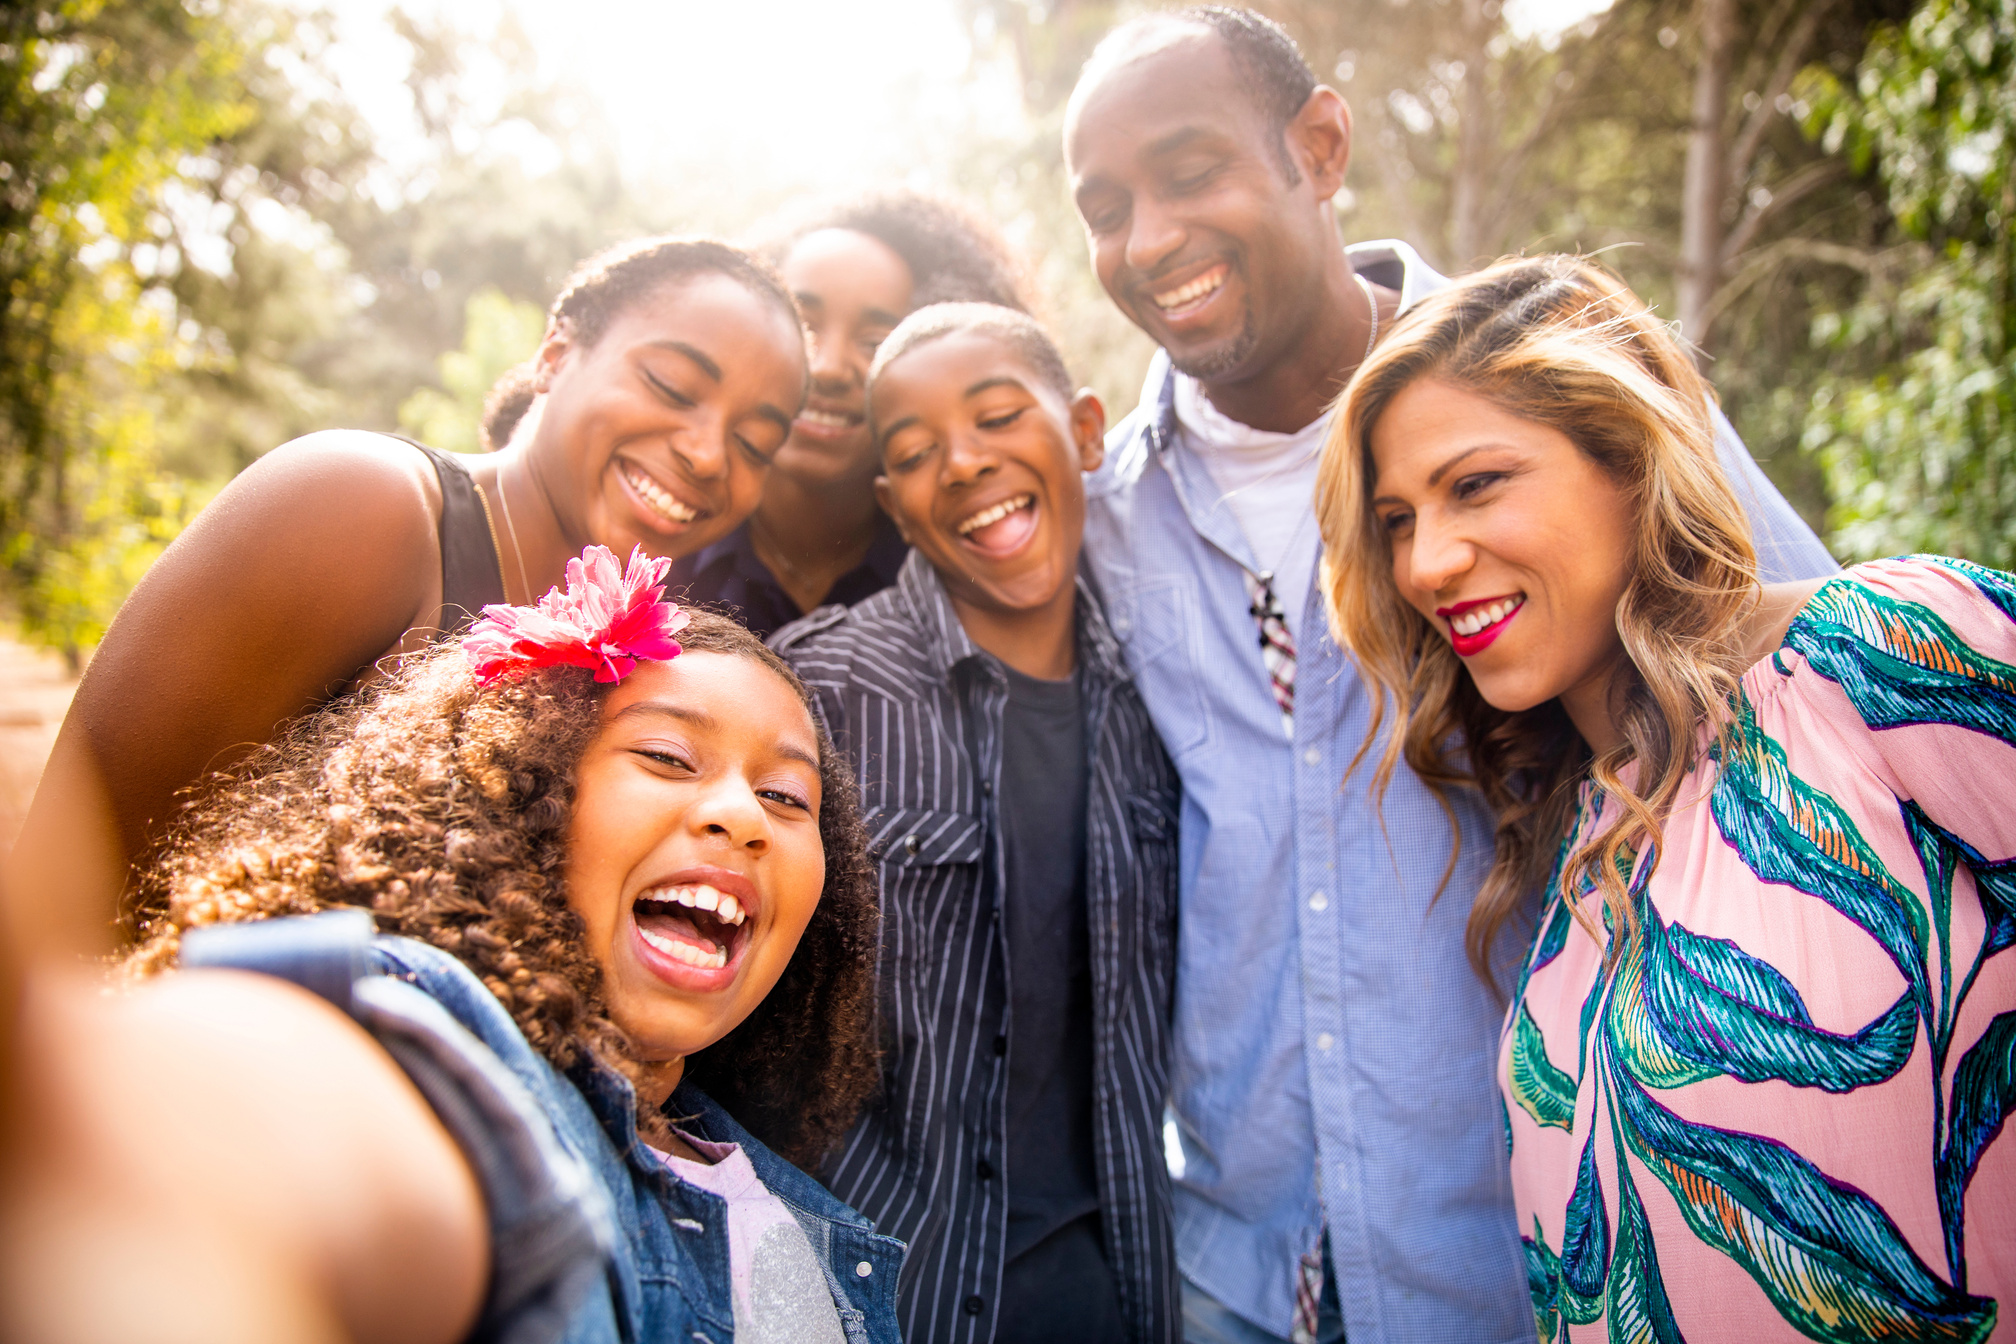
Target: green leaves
(1585, 1243)
(1713, 1003)
(1541, 1090)
(1899, 663)
(1920, 451)
(1984, 1096)
(1827, 1256)
(1791, 833)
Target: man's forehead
(1162, 73)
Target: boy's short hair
(1018, 331)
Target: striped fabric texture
(918, 708)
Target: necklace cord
(517, 551)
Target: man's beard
(1212, 365)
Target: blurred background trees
(211, 243)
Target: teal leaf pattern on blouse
(1826, 1254)
(1585, 1244)
(1984, 1095)
(1541, 1090)
(1543, 1280)
(1674, 1007)
(1639, 1311)
(1900, 663)
(1715, 1004)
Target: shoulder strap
(471, 576)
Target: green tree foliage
(1920, 445)
(497, 335)
(101, 104)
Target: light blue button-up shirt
(1334, 1053)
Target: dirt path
(35, 691)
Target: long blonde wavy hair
(1561, 342)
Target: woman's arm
(309, 566)
(222, 1156)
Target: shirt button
(1313, 756)
(1324, 1040)
(912, 843)
(864, 1269)
(975, 1305)
(1319, 902)
(984, 1169)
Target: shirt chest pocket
(1155, 617)
(930, 863)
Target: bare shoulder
(1778, 605)
(342, 470)
(340, 525)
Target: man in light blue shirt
(1333, 1081)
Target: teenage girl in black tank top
(670, 374)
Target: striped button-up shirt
(918, 708)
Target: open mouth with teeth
(1473, 625)
(656, 497)
(1002, 528)
(1184, 299)
(694, 925)
(829, 421)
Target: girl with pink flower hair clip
(582, 911)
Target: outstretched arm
(222, 1156)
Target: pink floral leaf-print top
(1779, 1113)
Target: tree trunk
(1706, 186)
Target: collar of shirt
(921, 591)
(735, 556)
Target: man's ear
(886, 497)
(1319, 139)
(553, 351)
(1088, 428)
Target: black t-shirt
(1052, 1173)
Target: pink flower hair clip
(606, 620)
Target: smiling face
(694, 855)
(983, 463)
(659, 433)
(1195, 230)
(853, 290)
(1513, 543)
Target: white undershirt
(1268, 480)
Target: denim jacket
(593, 1239)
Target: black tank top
(471, 576)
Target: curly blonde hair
(1561, 342)
(441, 807)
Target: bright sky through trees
(819, 92)
(823, 93)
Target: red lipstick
(1474, 643)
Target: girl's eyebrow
(1002, 380)
(701, 719)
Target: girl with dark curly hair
(856, 269)
(595, 882)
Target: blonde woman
(1757, 1063)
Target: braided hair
(606, 285)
